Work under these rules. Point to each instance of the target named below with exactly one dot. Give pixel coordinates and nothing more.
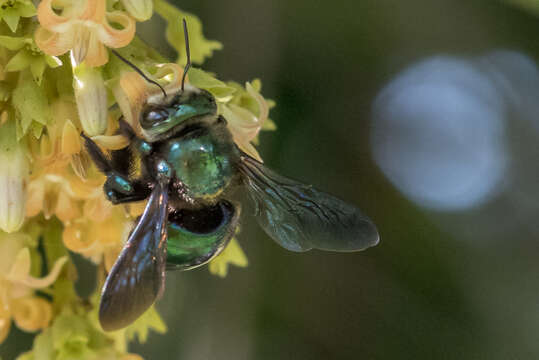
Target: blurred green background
(446, 282)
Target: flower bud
(91, 98)
(13, 179)
(139, 9)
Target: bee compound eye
(153, 116)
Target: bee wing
(137, 278)
(299, 217)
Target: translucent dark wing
(137, 278)
(300, 218)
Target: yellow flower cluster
(17, 299)
(57, 81)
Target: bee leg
(119, 189)
(99, 158)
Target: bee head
(162, 116)
(188, 106)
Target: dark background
(442, 284)
(446, 282)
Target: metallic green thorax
(204, 164)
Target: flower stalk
(58, 79)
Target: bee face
(160, 118)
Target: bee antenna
(138, 71)
(187, 53)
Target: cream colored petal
(97, 209)
(110, 231)
(244, 126)
(48, 18)
(131, 93)
(172, 74)
(87, 189)
(80, 45)
(31, 313)
(114, 37)
(262, 103)
(94, 11)
(51, 43)
(21, 267)
(74, 237)
(71, 143)
(36, 196)
(5, 320)
(97, 54)
(39, 283)
(111, 142)
(66, 208)
(250, 150)
(79, 165)
(243, 121)
(20, 271)
(50, 200)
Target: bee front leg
(118, 188)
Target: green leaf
(37, 129)
(26, 8)
(37, 67)
(61, 78)
(30, 103)
(204, 80)
(71, 337)
(20, 61)
(43, 348)
(63, 288)
(52, 61)
(200, 47)
(8, 140)
(12, 19)
(12, 43)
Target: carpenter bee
(188, 166)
